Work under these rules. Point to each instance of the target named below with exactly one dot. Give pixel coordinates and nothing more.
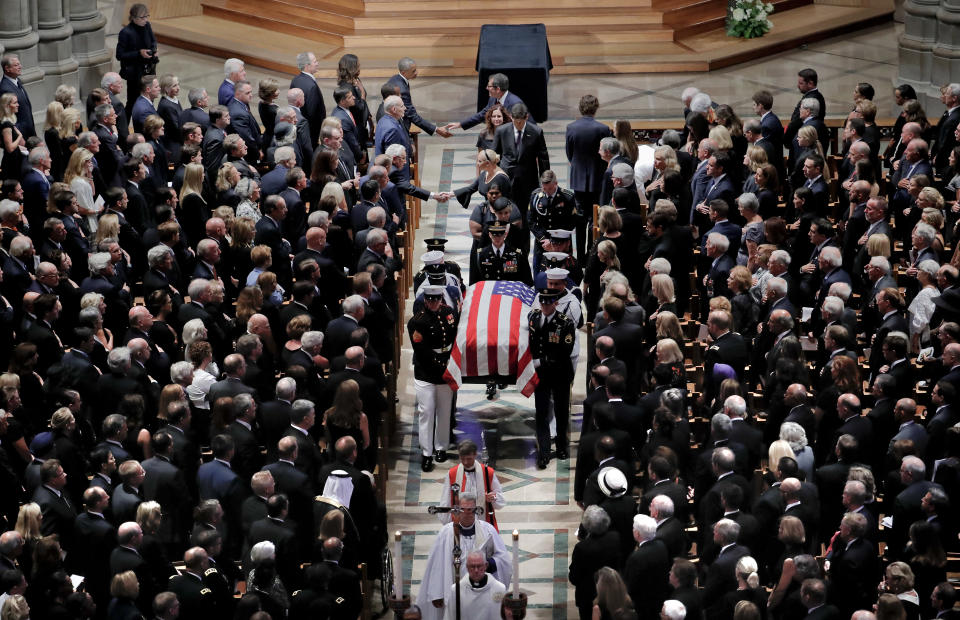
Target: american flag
(493, 338)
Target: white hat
(560, 233)
(433, 290)
(612, 482)
(556, 273)
(433, 257)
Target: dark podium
(521, 53)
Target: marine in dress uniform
(452, 296)
(432, 332)
(558, 253)
(500, 260)
(552, 336)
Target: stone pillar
(916, 45)
(89, 48)
(56, 49)
(946, 52)
(17, 36)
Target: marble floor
(540, 505)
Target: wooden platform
(618, 36)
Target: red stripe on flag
(471, 352)
(515, 309)
(493, 335)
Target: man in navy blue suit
(10, 83)
(242, 121)
(407, 70)
(914, 162)
(143, 106)
(807, 85)
(314, 109)
(586, 165)
(813, 171)
(770, 125)
(945, 128)
(36, 185)
(718, 185)
(498, 85)
(719, 210)
(345, 99)
(233, 71)
(390, 129)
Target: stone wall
(930, 48)
(58, 42)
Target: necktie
(213, 270)
(519, 138)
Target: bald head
(355, 357)
(196, 559)
(790, 487)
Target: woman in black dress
(346, 417)
(348, 74)
(497, 115)
(268, 90)
(12, 138)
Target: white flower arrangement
(748, 19)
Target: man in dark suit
(302, 419)
(406, 71)
(498, 87)
(11, 83)
(269, 233)
(247, 444)
(242, 121)
(627, 337)
(598, 546)
(35, 183)
(197, 112)
(126, 556)
(586, 166)
(807, 85)
(813, 595)
(889, 303)
(163, 482)
(217, 480)
(661, 473)
(669, 528)
(233, 71)
(126, 495)
(718, 186)
(770, 126)
(523, 155)
(195, 599)
(143, 106)
(345, 99)
(721, 574)
(907, 505)
(337, 335)
(945, 140)
(742, 432)
(391, 130)
(96, 539)
(854, 566)
(313, 108)
(293, 482)
(185, 453)
(624, 417)
(278, 530)
(710, 503)
(213, 137)
(275, 415)
(646, 570)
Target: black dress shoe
(491, 391)
(426, 464)
(440, 456)
(542, 462)
(562, 454)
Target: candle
(516, 564)
(397, 566)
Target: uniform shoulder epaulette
(566, 192)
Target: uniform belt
(445, 349)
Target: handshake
(447, 130)
(442, 196)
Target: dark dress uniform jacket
(552, 344)
(555, 213)
(511, 265)
(432, 335)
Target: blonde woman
(227, 178)
(668, 326)
(669, 355)
(664, 158)
(13, 143)
(107, 228)
(150, 519)
(66, 95)
(755, 158)
(661, 285)
(193, 212)
(15, 607)
(79, 176)
(809, 143)
(29, 524)
(721, 135)
(101, 334)
(124, 588)
(488, 169)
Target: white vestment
(471, 482)
(475, 603)
(438, 574)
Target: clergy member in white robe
(480, 593)
(473, 477)
(475, 535)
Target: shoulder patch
(206, 591)
(210, 571)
